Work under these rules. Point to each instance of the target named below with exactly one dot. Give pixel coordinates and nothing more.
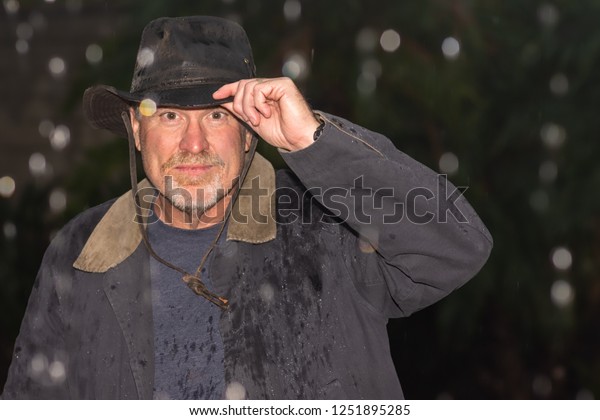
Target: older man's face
(192, 156)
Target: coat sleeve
(40, 360)
(414, 238)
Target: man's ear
(135, 125)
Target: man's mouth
(192, 169)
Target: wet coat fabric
(314, 263)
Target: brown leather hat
(181, 62)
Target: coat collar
(117, 235)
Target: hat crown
(188, 51)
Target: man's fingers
(226, 91)
(248, 103)
(252, 99)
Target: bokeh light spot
(372, 66)
(559, 84)
(267, 293)
(45, 128)
(562, 258)
(390, 40)
(548, 172)
(451, 48)
(366, 84)
(584, 394)
(366, 40)
(235, 391)
(10, 230)
(37, 164)
(60, 137)
(11, 6)
(38, 364)
(22, 46)
(541, 386)
(553, 135)
(145, 57)
(539, 201)
(74, 6)
(148, 107)
(7, 186)
(57, 371)
(58, 200)
(57, 66)
(562, 293)
(548, 14)
(449, 163)
(37, 20)
(24, 31)
(292, 9)
(295, 67)
(93, 53)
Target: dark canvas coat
(312, 279)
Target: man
(216, 277)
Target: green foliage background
(500, 336)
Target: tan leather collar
(117, 235)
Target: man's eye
(217, 115)
(169, 115)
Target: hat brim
(103, 105)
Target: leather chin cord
(193, 281)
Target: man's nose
(194, 138)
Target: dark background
(513, 116)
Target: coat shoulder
(72, 237)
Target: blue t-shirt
(188, 348)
